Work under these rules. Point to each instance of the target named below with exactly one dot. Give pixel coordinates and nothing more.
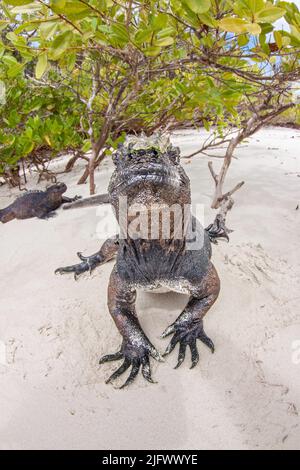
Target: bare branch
(212, 172)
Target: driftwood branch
(213, 174)
(236, 188)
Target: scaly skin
(149, 172)
(41, 204)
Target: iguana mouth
(152, 172)
(155, 174)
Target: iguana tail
(88, 201)
(6, 215)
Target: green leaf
(253, 28)
(286, 41)
(269, 14)
(28, 147)
(295, 32)
(59, 3)
(48, 29)
(72, 8)
(233, 25)
(208, 19)
(28, 8)
(278, 39)
(86, 146)
(143, 36)
(41, 65)
(159, 21)
(206, 125)
(198, 6)
(152, 51)
(166, 32)
(11, 36)
(256, 5)
(120, 32)
(18, 2)
(243, 40)
(164, 41)
(14, 67)
(9, 60)
(13, 118)
(60, 44)
(238, 25)
(70, 61)
(266, 28)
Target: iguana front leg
(189, 325)
(107, 251)
(42, 212)
(66, 199)
(136, 348)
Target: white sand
(246, 395)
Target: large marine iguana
(41, 204)
(148, 173)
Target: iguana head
(57, 188)
(148, 171)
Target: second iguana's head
(57, 188)
(148, 171)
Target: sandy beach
(54, 329)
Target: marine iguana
(148, 173)
(41, 204)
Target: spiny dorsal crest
(142, 142)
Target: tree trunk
(220, 178)
(84, 176)
(92, 171)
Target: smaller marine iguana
(41, 204)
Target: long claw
(155, 354)
(146, 371)
(168, 331)
(111, 357)
(75, 268)
(181, 355)
(206, 340)
(218, 229)
(171, 345)
(134, 372)
(136, 358)
(119, 371)
(80, 256)
(194, 354)
(187, 334)
(59, 271)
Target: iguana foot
(187, 334)
(68, 200)
(218, 229)
(50, 215)
(106, 253)
(88, 264)
(135, 356)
